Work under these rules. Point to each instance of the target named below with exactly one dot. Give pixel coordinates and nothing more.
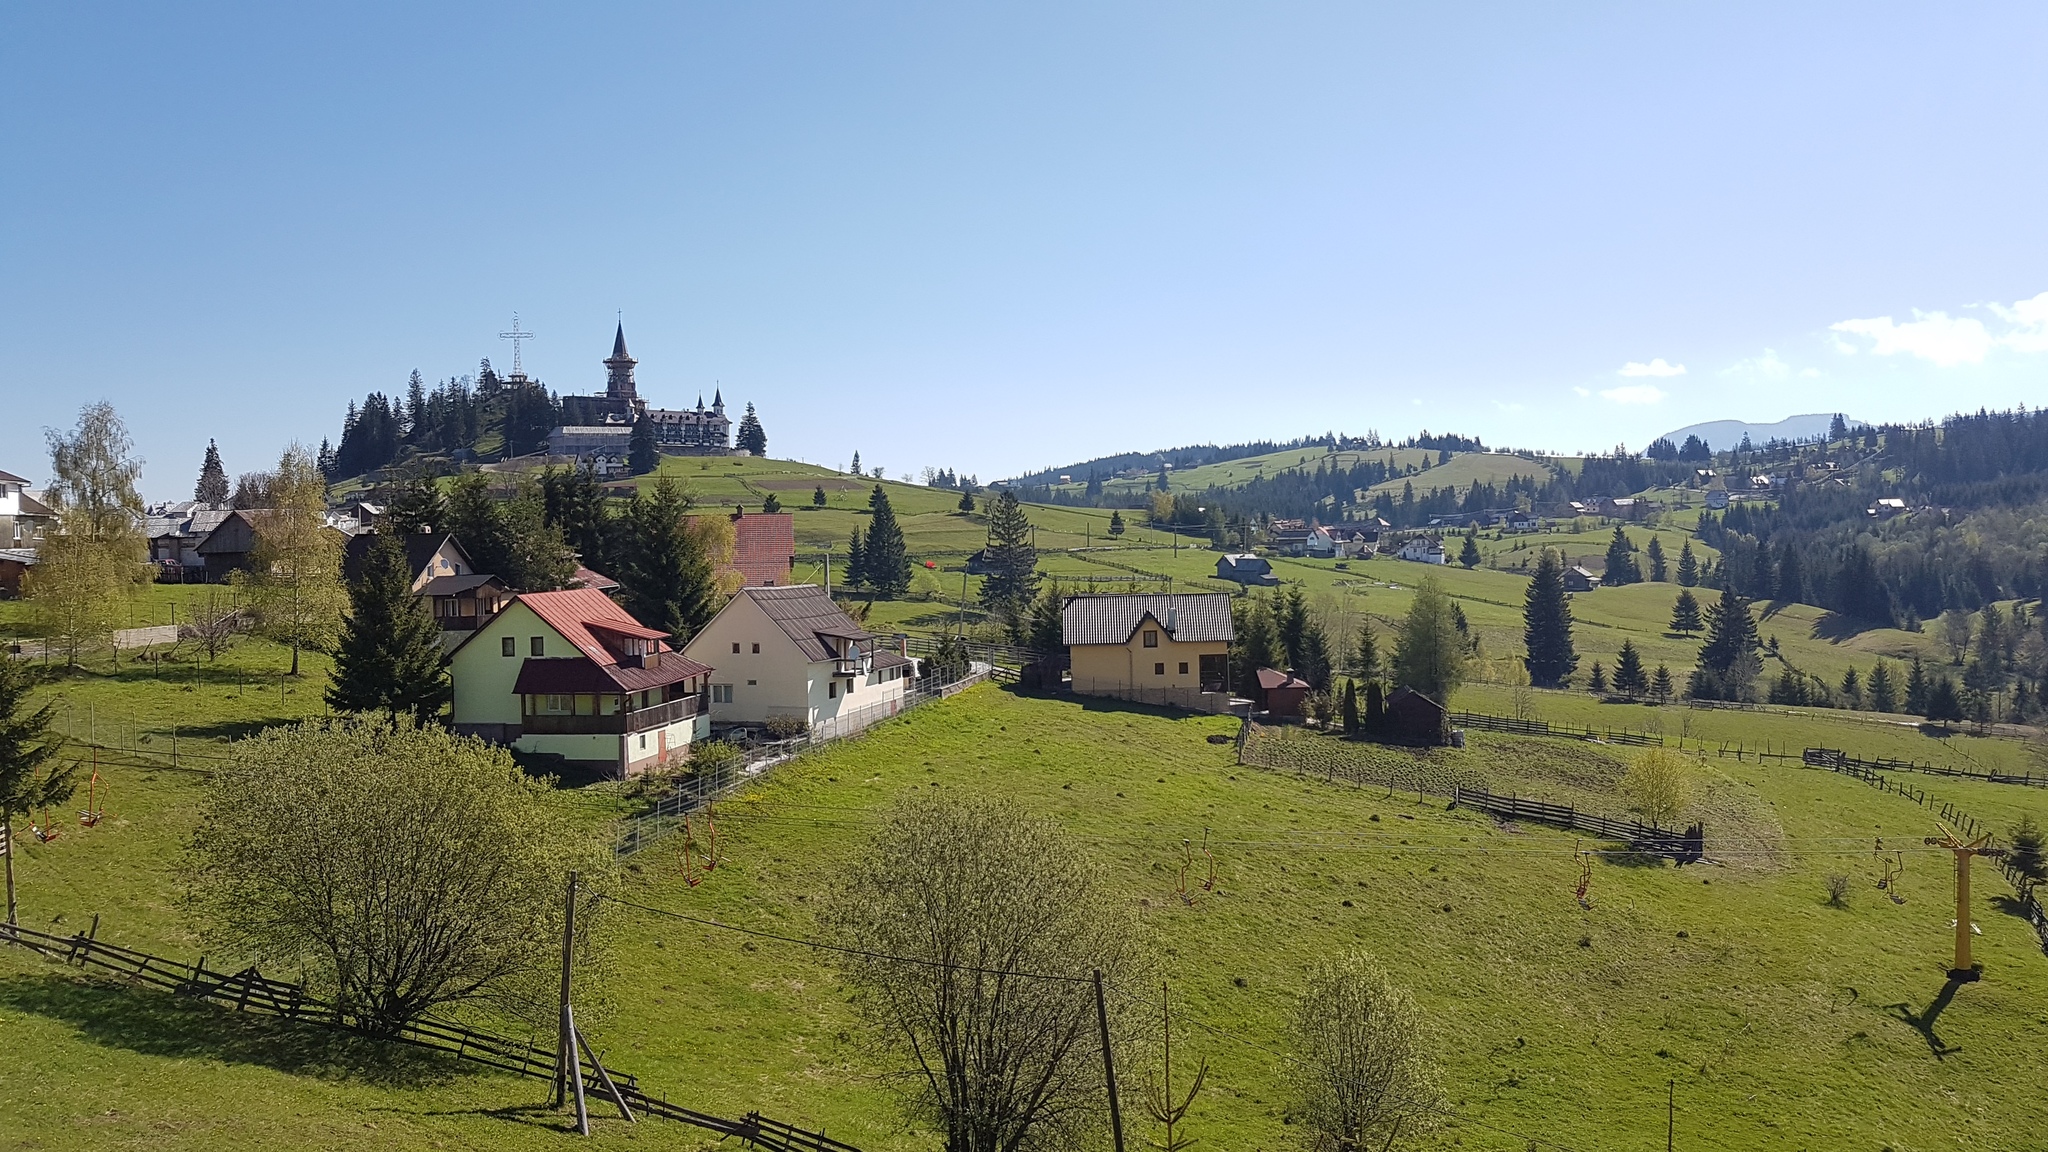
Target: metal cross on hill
(515, 336)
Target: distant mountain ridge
(1725, 435)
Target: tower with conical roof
(618, 381)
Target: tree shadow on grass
(1924, 1021)
(158, 1024)
(1834, 627)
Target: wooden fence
(250, 991)
(1835, 757)
(1519, 727)
(1685, 847)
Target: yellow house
(573, 675)
(1156, 649)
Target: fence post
(1116, 1115)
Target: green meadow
(1778, 1021)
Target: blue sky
(993, 237)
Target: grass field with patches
(1785, 1023)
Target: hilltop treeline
(1976, 487)
(464, 417)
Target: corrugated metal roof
(805, 613)
(1111, 619)
(456, 585)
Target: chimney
(902, 644)
(1172, 618)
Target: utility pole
(1965, 851)
(1670, 1112)
(1116, 1114)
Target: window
(643, 742)
(832, 690)
(509, 646)
(1159, 669)
(721, 693)
(539, 646)
(562, 705)
(1183, 667)
(757, 649)
(735, 647)
(1151, 639)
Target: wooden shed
(1413, 718)
(1283, 693)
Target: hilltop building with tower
(598, 429)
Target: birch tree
(294, 576)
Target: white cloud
(1634, 394)
(1655, 367)
(1582, 391)
(2029, 319)
(1933, 336)
(1764, 367)
(1809, 373)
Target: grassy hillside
(1784, 1023)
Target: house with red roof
(763, 548)
(573, 677)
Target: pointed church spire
(619, 342)
(619, 369)
(717, 400)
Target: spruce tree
(1469, 554)
(1257, 644)
(26, 745)
(1047, 632)
(1688, 566)
(1621, 562)
(1116, 523)
(666, 580)
(390, 656)
(1685, 614)
(888, 558)
(1598, 684)
(1852, 690)
(1012, 581)
(1375, 706)
(1944, 706)
(1659, 572)
(1367, 660)
(213, 478)
(966, 505)
(643, 454)
(770, 505)
(1763, 578)
(1660, 684)
(1347, 711)
(1629, 678)
(1916, 688)
(2029, 856)
(855, 467)
(415, 506)
(751, 437)
(856, 560)
(818, 496)
(1547, 625)
(1883, 693)
(1728, 663)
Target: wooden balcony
(621, 723)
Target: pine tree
(1917, 689)
(1661, 687)
(643, 455)
(1257, 644)
(1116, 523)
(213, 479)
(415, 506)
(856, 560)
(855, 467)
(1838, 428)
(1366, 660)
(751, 437)
(1629, 678)
(2029, 856)
(818, 496)
(1162, 484)
(1763, 578)
(26, 745)
(1688, 566)
(1469, 554)
(1046, 634)
(966, 504)
(1685, 614)
(1852, 690)
(1728, 662)
(1621, 562)
(1012, 581)
(1883, 694)
(1598, 684)
(1658, 571)
(1944, 706)
(666, 581)
(888, 558)
(1347, 711)
(1547, 625)
(389, 657)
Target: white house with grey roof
(791, 652)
